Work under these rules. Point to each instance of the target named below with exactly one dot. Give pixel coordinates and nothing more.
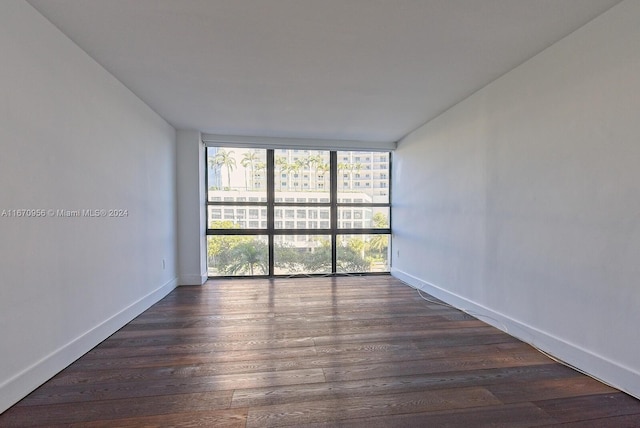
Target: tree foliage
(245, 255)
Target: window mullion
(333, 198)
(270, 208)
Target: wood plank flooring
(316, 352)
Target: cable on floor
(506, 330)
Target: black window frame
(271, 231)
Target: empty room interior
(320, 213)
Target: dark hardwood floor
(320, 352)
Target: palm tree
(302, 165)
(283, 166)
(346, 167)
(314, 162)
(322, 169)
(379, 243)
(249, 159)
(226, 159)
(251, 255)
(294, 168)
(260, 166)
(357, 167)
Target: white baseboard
(603, 369)
(193, 279)
(20, 385)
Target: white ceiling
(369, 70)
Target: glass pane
(362, 253)
(237, 217)
(236, 175)
(363, 217)
(363, 177)
(302, 217)
(300, 254)
(235, 255)
(301, 175)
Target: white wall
(522, 203)
(73, 137)
(192, 251)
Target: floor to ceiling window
(294, 212)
